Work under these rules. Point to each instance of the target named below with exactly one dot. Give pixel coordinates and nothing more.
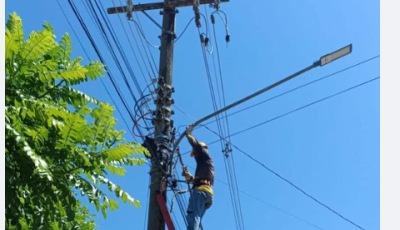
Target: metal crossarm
(158, 5)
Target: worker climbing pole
(163, 145)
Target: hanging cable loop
(173, 197)
(142, 34)
(224, 20)
(184, 30)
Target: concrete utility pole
(162, 116)
(162, 120)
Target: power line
(298, 188)
(281, 210)
(231, 158)
(137, 45)
(116, 42)
(304, 106)
(270, 205)
(137, 60)
(184, 30)
(133, 51)
(286, 180)
(299, 87)
(73, 7)
(119, 48)
(228, 166)
(73, 30)
(288, 113)
(93, 43)
(152, 63)
(221, 133)
(143, 36)
(102, 82)
(148, 194)
(182, 202)
(176, 223)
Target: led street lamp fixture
(335, 55)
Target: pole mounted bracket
(168, 32)
(217, 4)
(175, 11)
(129, 9)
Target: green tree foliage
(59, 141)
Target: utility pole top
(158, 5)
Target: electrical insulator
(201, 38)
(206, 42)
(197, 16)
(227, 38)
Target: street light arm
(326, 59)
(237, 103)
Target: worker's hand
(189, 178)
(185, 172)
(189, 129)
(187, 175)
(184, 169)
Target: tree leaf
(103, 210)
(14, 25)
(94, 69)
(11, 47)
(66, 48)
(40, 164)
(38, 44)
(116, 170)
(119, 152)
(74, 73)
(60, 142)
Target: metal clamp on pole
(217, 4)
(129, 9)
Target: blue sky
(330, 149)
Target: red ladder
(164, 211)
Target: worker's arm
(192, 141)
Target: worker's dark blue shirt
(205, 164)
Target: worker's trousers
(199, 202)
